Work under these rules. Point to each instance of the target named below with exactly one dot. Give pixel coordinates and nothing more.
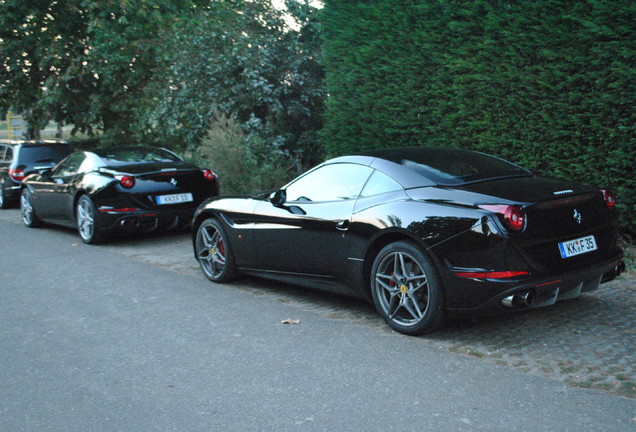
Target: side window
(70, 166)
(380, 183)
(3, 150)
(334, 182)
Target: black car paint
(55, 197)
(332, 246)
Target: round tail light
(513, 216)
(126, 181)
(610, 201)
(209, 174)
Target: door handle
(342, 225)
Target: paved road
(129, 336)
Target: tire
(214, 253)
(27, 212)
(406, 289)
(4, 202)
(87, 226)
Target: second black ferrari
(117, 190)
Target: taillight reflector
(17, 174)
(126, 181)
(118, 210)
(513, 216)
(491, 274)
(610, 201)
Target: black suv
(19, 158)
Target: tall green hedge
(550, 85)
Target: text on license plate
(174, 198)
(577, 247)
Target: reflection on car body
(117, 190)
(424, 233)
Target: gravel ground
(587, 342)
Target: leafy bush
(550, 85)
(245, 163)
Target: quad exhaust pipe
(519, 300)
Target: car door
(54, 191)
(308, 232)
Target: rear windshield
(43, 155)
(128, 155)
(450, 167)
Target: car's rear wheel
(85, 216)
(406, 289)
(213, 252)
(27, 212)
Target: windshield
(130, 155)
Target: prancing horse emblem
(173, 181)
(577, 216)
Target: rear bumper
(539, 290)
(145, 221)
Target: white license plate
(577, 247)
(174, 198)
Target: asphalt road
(130, 337)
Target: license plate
(174, 198)
(577, 247)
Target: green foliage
(550, 85)
(244, 163)
(40, 42)
(241, 59)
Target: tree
(82, 62)
(241, 59)
(547, 84)
(41, 44)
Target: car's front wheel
(407, 290)
(85, 216)
(213, 252)
(27, 212)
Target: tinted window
(128, 155)
(330, 183)
(43, 155)
(70, 166)
(379, 183)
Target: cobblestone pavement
(587, 342)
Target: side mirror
(278, 198)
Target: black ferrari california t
(424, 233)
(117, 190)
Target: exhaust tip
(519, 300)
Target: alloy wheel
(85, 220)
(402, 289)
(213, 252)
